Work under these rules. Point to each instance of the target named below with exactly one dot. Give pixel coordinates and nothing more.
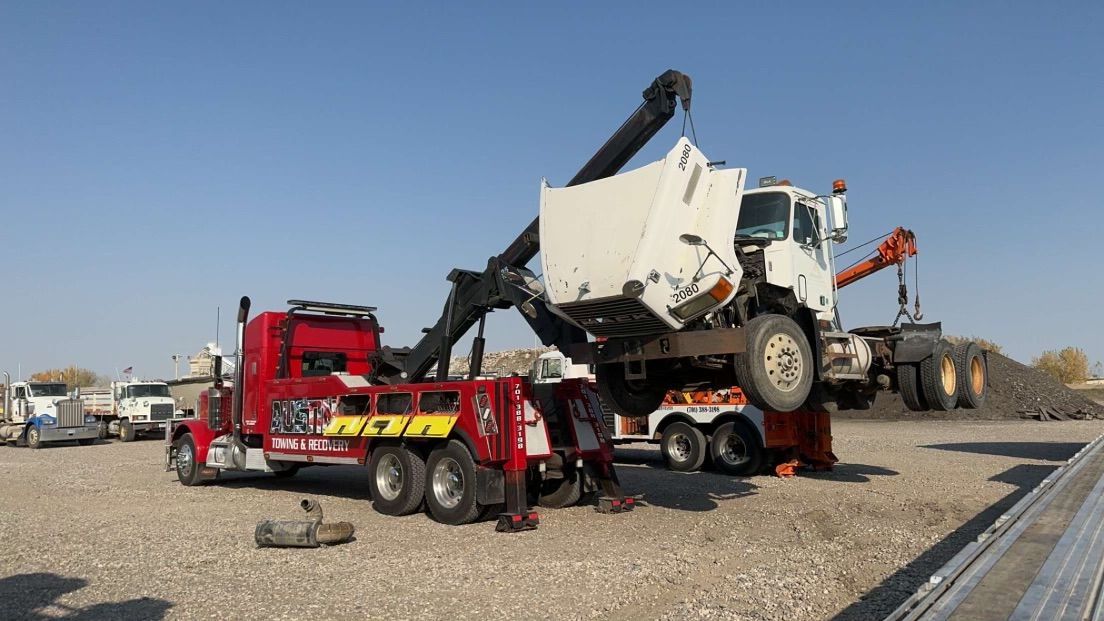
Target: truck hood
(615, 243)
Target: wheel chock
(787, 469)
(517, 522)
(607, 504)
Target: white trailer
(129, 408)
(715, 427)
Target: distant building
(203, 363)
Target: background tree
(985, 344)
(73, 376)
(1069, 366)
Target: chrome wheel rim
(448, 483)
(678, 447)
(32, 436)
(782, 362)
(733, 450)
(389, 477)
(184, 459)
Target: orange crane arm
(900, 244)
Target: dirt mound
(1013, 387)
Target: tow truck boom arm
(474, 294)
(898, 246)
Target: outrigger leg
(518, 515)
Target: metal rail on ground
(1042, 560)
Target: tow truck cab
(281, 350)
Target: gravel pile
(1013, 388)
(103, 532)
(502, 363)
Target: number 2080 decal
(686, 292)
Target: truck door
(20, 402)
(812, 270)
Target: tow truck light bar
(330, 308)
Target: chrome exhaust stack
(237, 448)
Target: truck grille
(161, 411)
(214, 410)
(70, 413)
(614, 317)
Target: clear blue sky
(162, 159)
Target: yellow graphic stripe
(430, 426)
(386, 425)
(345, 426)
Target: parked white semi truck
(37, 413)
(692, 282)
(129, 408)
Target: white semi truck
(691, 282)
(37, 413)
(129, 408)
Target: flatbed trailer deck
(1043, 559)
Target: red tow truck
(313, 386)
(468, 448)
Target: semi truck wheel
(776, 370)
(560, 493)
(628, 397)
(187, 464)
(735, 450)
(126, 431)
(34, 437)
(908, 385)
(683, 447)
(102, 429)
(973, 375)
(450, 485)
(939, 379)
(397, 480)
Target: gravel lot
(103, 532)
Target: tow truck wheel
(102, 429)
(908, 384)
(396, 480)
(973, 375)
(450, 484)
(563, 492)
(683, 447)
(187, 466)
(735, 450)
(939, 378)
(34, 437)
(628, 397)
(126, 431)
(776, 369)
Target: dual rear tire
(953, 376)
(734, 448)
(401, 480)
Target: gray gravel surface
(103, 532)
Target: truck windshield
(765, 215)
(148, 390)
(47, 390)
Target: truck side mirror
(837, 207)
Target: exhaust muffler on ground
(309, 533)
